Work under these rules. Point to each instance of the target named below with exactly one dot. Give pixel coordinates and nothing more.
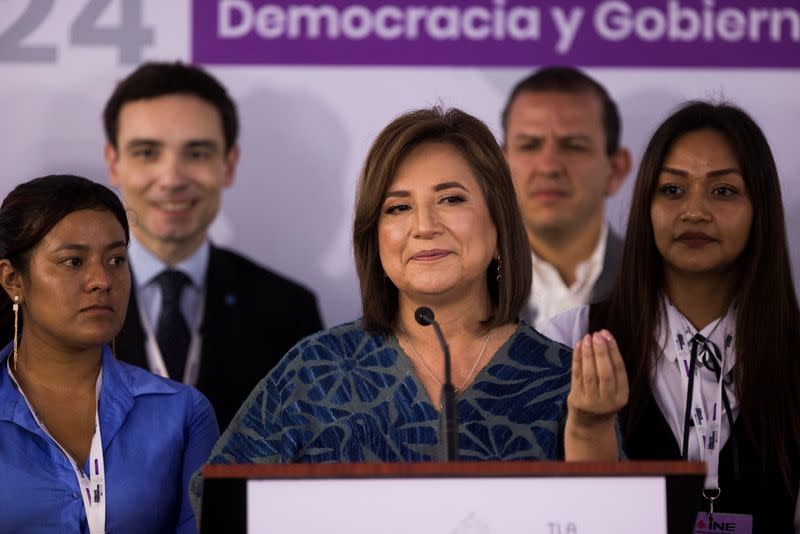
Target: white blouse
(668, 390)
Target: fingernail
(607, 335)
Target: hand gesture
(599, 391)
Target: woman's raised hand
(599, 390)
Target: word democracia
(611, 20)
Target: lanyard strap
(154, 358)
(93, 486)
(703, 417)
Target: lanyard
(156, 361)
(93, 485)
(704, 414)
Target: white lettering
(757, 16)
(270, 22)
(413, 17)
(708, 20)
(567, 26)
(684, 23)
(360, 29)
(731, 25)
(226, 28)
(612, 20)
(499, 19)
(650, 24)
(382, 28)
(792, 16)
(469, 23)
(524, 23)
(313, 17)
(435, 28)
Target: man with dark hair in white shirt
(561, 139)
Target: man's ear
(231, 161)
(112, 158)
(621, 163)
(11, 280)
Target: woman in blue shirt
(87, 444)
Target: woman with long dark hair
(705, 314)
(87, 443)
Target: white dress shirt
(146, 267)
(551, 296)
(668, 391)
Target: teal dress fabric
(348, 395)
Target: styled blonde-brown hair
(475, 142)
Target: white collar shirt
(550, 296)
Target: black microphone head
(424, 315)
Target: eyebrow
(438, 187)
(568, 136)
(202, 143)
(710, 174)
(81, 248)
(194, 143)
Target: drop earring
(15, 307)
(499, 269)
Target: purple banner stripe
(652, 33)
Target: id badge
(722, 522)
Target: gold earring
(499, 269)
(15, 307)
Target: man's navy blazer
(252, 318)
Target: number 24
(130, 36)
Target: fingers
(620, 373)
(599, 379)
(606, 376)
(577, 365)
(589, 368)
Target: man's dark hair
(569, 80)
(152, 80)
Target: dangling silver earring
(499, 269)
(15, 307)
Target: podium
(458, 497)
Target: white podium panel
(456, 505)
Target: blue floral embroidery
(344, 395)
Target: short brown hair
(156, 79)
(569, 80)
(471, 137)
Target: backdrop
(315, 83)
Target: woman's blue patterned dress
(349, 395)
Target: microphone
(424, 317)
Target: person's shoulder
(567, 327)
(343, 339)
(143, 383)
(249, 272)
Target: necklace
(428, 369)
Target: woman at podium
(706, 317)
(87, 444)
(436, 226)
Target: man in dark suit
(561, 139)
(198, 313)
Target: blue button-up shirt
(155, 434)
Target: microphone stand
(424, 316)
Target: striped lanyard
(93, 485)
(704, 415)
